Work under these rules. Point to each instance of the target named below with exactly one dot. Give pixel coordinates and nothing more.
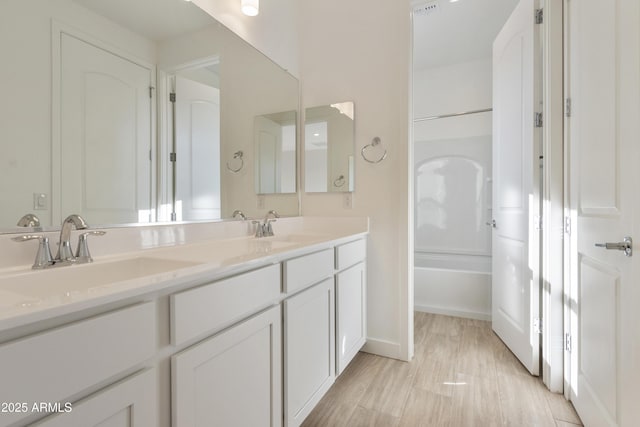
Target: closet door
(516, 142)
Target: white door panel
(604, 86)
(515, 288)
(105, 134)
(268, 136)
(198, 150)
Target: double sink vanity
(210, 326)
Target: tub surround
(257, 327)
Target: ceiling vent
(424, 9)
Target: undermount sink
(295, 238)
(68, 281)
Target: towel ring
(237, 155)
(375, 141)
(339, 181)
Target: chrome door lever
(492, 223)
(626, 245)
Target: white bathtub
(455, 285)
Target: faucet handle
(259, 228)
(268, 228)
(43, 257)
(82, 252)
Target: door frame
(164, 190)
(553, 198)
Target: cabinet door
(309, 337)
(351, 330)
(129, 403)
(233, 378)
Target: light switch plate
(40, 201)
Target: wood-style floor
(462, 375)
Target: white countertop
(28, 296)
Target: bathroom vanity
(229, 331)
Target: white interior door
(105, 134)
(515, 254)
(197, 150)
(604, 87)
(268, 135)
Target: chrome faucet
(29, 220)
(65, 256)
(268, 229)
(273, 213)
(265, 229)
(64, 245)
(239, 213)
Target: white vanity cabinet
(128, 403)
(309, 334)
(56, 364)
(351, 301)
(233, 378)
(259, 346)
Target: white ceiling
(157, 20)
(459, 31)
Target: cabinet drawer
(307, 270)
(350, 253)
(212, 307)
(53, 365)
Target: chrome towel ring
(339, 181)
(374, 142)
(236, 155)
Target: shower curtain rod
(424, 119)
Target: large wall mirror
(329, 148)
(126, 114)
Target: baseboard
(383, 348)
(450, 312)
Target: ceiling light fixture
(250, 7)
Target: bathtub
(451, 284)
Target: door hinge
(567, 342)
(537, 223)
(567, 107)
(172, 97)
(567, 225)
(538, 120)
(172, 157)
(151, 89)
(537, 325)
(539, 16)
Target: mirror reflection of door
(105, 135)
(268, 142)
(316, 173)
(275, 150)
(197, 146)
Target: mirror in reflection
(329, 148)
(126, 114)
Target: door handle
(492, 223)
(626, 245)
